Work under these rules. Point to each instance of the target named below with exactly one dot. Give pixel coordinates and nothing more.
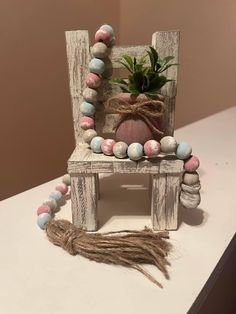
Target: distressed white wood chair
(84, 166)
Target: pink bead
(93, 80)
(107, 146)
(63, 188)
(103, 35)
(191, 164)
(86, 123)
(43, 209)
(152, 148)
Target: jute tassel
(126, 248)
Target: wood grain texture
(78, 56)
(158, 202)
(134, 51)
(172, 201)
(165, 201)
(84, 201)
(83, 160)
(167, 44)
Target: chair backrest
(78, 55)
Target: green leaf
(117, 80)
(162, 69)
(138, 80)
(154, 53)
(127, 62)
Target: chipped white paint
(84, 166)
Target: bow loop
(146, 110)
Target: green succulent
(143, 79)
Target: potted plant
(140, 103)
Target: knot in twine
(146, 110)
(126, 248)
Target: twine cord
(146, 110)
(126, 247)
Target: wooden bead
(90, 95)
(86, 123)
(120, 149)
(92, 80)
(66, 179)
(43, 219)
(107, 146)
(152, 148)
(43, 209)
(103, 36)
(135, 151)
(56, 195)
(183, 150)
(190, 200)
(190, 178)
(191, 164)
(63, 188)
(96, 66)
(96, 144)
(168, 144)
(51, 203)
(87, 109)
(99, 50)
(193, 189)
(89, 135)
(108, 28)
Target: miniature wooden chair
(84, 166)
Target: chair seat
(83, 160)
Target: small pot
(133, 129)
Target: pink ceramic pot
(134, 129)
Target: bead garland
(47, 210)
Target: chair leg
(164, 201)
(84, 201)
(97, 185)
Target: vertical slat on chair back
(77, 46)
(78, 53)
(167, 44)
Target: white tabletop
(37, 277)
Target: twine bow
(146, 110)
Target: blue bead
(97, 66)
(107, 28)
(135, 151)
(87, 109)
(184, 150)
(56, 195)
(96, 144)
(43, 219)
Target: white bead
(51, 203)
(120, 149)
(89, 135)
(168, 144)
(66, 179)
(191, 178)
(90, 95)
(99, 50)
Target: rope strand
(126, 248)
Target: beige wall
(208, 48)
(36, 123)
